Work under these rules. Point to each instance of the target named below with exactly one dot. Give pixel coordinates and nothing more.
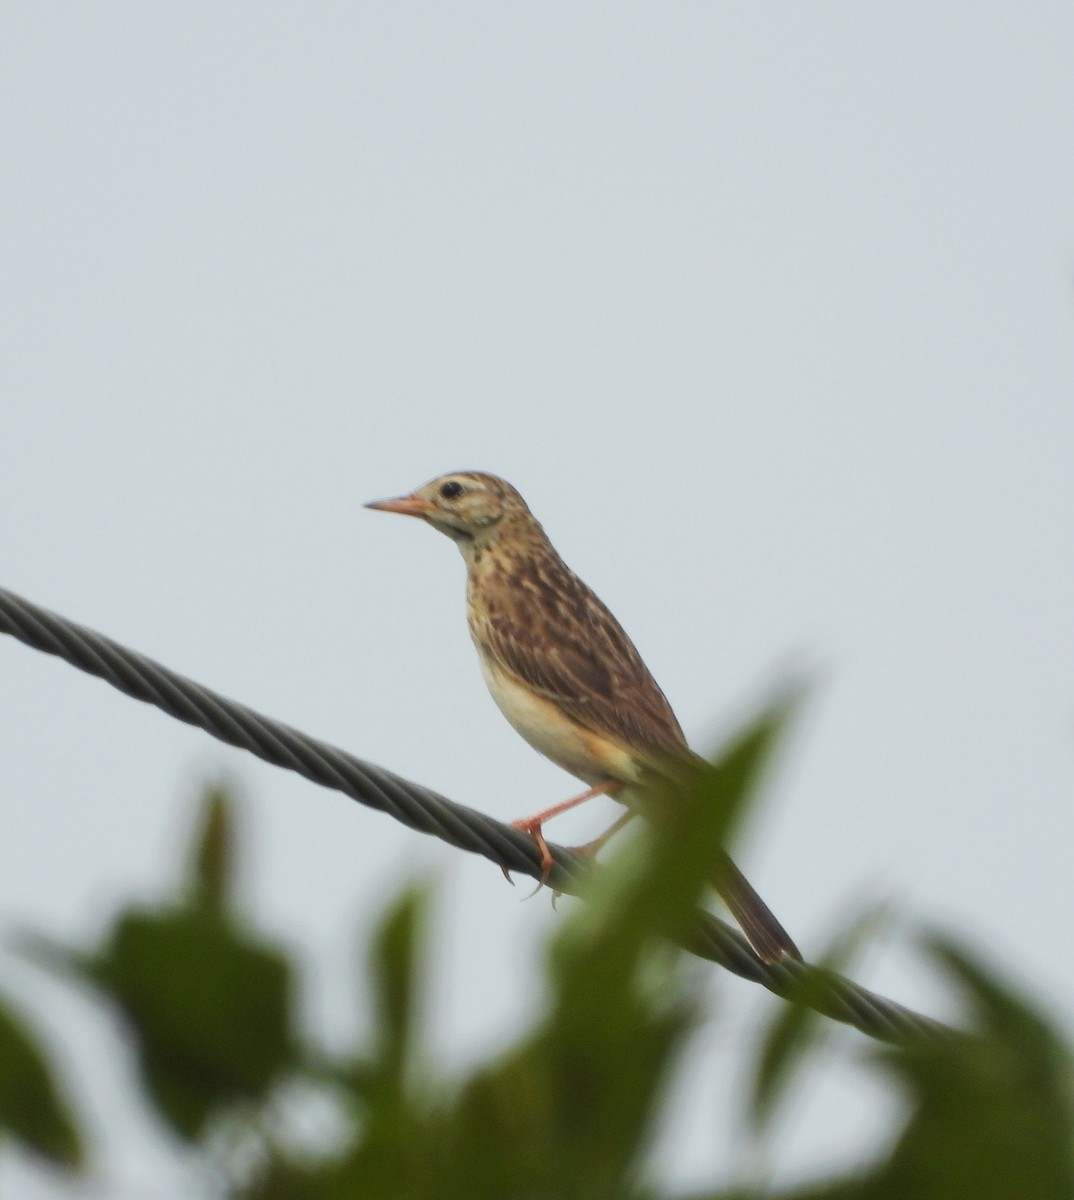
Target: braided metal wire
(425, 810)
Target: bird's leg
(532, 825)
(593, 848)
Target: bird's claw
(533, 828)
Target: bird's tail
(766, 935)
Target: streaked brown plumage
(562, 669)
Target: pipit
(563, 671)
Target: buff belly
(584, 754)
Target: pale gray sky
(767, 309)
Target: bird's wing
(563, 643)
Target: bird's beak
(409, 506)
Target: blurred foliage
(567, 1112)
(32, 1109)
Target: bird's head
(467, 506)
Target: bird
(563, 671)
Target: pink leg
(593, 848)
(532, 825)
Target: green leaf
(32, 1109)
(994, 1108)
(651, 887)
(210, 1010)
(797, 1023)
(395, 1155)
(395, 965)
(211, 852)
(570, 1111)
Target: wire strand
(427, 811)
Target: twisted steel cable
(425, 810)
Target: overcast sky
(767, 310)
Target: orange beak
(409, 506)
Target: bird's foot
(593, 848)
(532, 826)
(588, 849)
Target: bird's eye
(451, 489)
